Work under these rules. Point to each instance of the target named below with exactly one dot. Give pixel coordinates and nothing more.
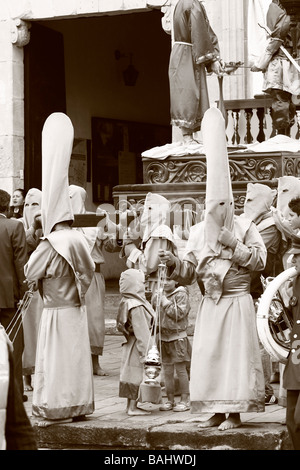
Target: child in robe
(135, 320)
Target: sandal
(181, 406)
(168, 406)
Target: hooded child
(136, 318)
(155, 234)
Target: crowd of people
(60, 335)
(52, 290)
(57, 265)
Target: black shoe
(270, 400)
(25, 398)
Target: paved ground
(110, 428)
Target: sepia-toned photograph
(150, 228)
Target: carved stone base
(244, 166)
(182, 179)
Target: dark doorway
(44, 79)
(117, 146)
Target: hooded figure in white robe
(226, 368)
(63, 268)
(155, 234)
(288, 189)
(95, 295)
(32, 315)
(257, 207)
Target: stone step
(111, 307)
(111, 328)
(112, 299)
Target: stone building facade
(19, 17)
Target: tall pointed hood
(57, 142)
(219, 205)
(215, 259)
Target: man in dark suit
(13, 256)
(16, 431)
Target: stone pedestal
(182, 179)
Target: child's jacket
(174, 316)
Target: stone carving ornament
(20, 34)
(246, 169)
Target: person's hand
(128, 248)
(154, 300)
(217, 68)
(254, 68)
(32, 285)
(227, 238)
(167, 257)
(164, 301)
(37, 220)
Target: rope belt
(184, 43)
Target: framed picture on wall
(116, 153)
(80, 162)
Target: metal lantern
(152, 365)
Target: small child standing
(135, 320)
(175, 345)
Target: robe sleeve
(271, 238)
(204, 40)
(251, 253)
(147, 259)
(35, 268)
(31, 240)
(179, 310)
(184, 272)
(278, 22)
(141, 330)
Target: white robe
(226, 368)
(63, 382)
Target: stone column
(14, 34)
(227, 18)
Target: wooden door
(44, 79)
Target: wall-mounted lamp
(130, 74)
